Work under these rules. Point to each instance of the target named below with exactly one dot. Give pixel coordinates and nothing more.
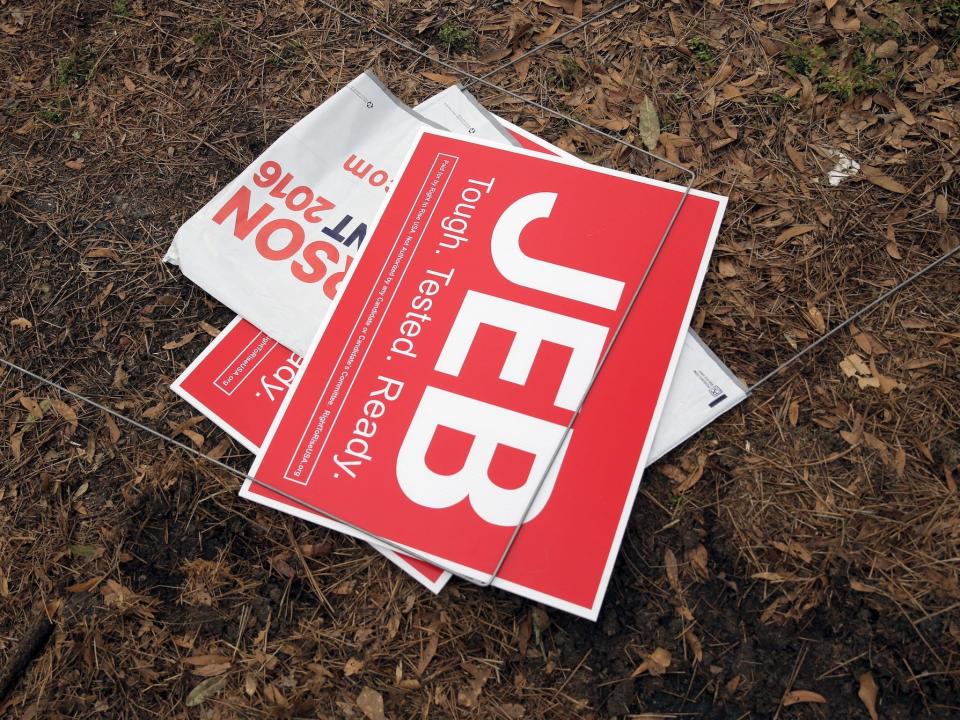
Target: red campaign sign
(441, 385)
(239, 381)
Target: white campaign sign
(276, 242)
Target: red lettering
(240, 204)
(313, 214)
(277, 191)
(332, 285)
(287, 251)
(305, 198)
(269, 172)
(312, 257)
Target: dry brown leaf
(942, 207)
(696, 647)
(352, 666)
(129, 84)
(672, 570)
(207, 689)
(74, 164)
(440, 77)
(874, 175)
(793, 232)
(816, 319)
(656, 663)
(648, 124)
(174, 344)
(31, 406)
(854, 365)
(21, 323)
(86, 585)
(770, 577)
(887, 49)
(102, 253)
(868, 694)
(793, 413)
(727, 268)
(370, 703)
(65, 411)
(112, 428)
(201, 660)
(802, 696)
(212, 670)
(698, 559)
(16, 446)
(795, 157)
(428, 651)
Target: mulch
(797, 559)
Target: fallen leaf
(212, 670)
(793, 232)
(868, 694)
(129, 84)
(469, 696)
(75, 164)
(727, 269)
(85, 585)
(656, 663)
(21, 323)
(648, 124)
(65, 411)
(854, 365)
(802, 696)
(102, 253)
(795, 157)
(942, 207)
(31, 406)
(612, 124)
(874, 175)
(207, 689)
(352, 666)
(370, 703)
(112, 428)
(174, 344)
(16, 446)
(428, 651)
(887, 49)
(440, 78)
(673, 574)
(698, 558)
(816, 318)
(696, 647)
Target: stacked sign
(448, 395)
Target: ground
(800, 558)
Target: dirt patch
(817, 541)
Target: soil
(816, 553)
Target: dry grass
(821, 540)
